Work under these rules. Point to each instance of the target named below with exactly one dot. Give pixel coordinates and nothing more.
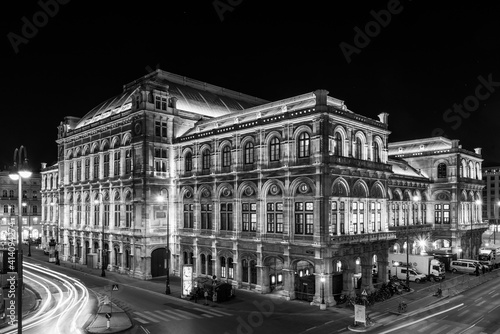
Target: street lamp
(57, 239)
(103, 273)
(20, 170)
(161, 199)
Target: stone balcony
(362, 238)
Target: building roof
(192, 96)
(401, 167)
(420, 145)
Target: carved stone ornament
(303, 188)
(274, 190)
(188, 194)
(205, 193)
(248, 191)
(226, 192)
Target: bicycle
(402, 307)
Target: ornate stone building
(31, 206)
(454, 195)
(289, 196)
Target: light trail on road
(63, 300)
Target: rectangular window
(161, 129)
(78, 170)
(78, 214)
(96, 167)
(304, 218)
(70, 214)
(249, 217)
(87, 214)
(106, 214)
(96, 215)
(226, 216)
(275, 217)
(188, 215)
(87, 169)
(117, 215)
(128, 161)
(106, 165)
(128, 215)
(206, 216)
(70, 172)
(116, 163)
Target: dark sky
(434, 67)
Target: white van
(477, 263)
(413, 274)
(463, 266)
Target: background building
(31, 206)
(491, 199)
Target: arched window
(244, 270)
(376, 152)
(303, 147)
(358, 150)
(226, 156)
(209, 265)
(188, 162)
(274, 149)
(230, 273)
(203, 264)
(441, 171)
(205, 157)
(249, 153)
(223, 268)
(337, 150)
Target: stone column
(366, 277)
(348, 283)
(263, 277)
(289, 284)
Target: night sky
(434, 67)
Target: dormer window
(161, 102)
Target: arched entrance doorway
(275, 266)
(305, 282)
(158, 262)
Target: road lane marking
(165, 313)
(190, 314)
(422, 319)
(219, 311)
(208, 312)
(146, 317)
(156, 316)
(140, 320)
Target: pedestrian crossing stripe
(175, 314)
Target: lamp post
(322, 306)
(478, 203)
(20, 170)
(103, 272)
(161, 199)
(57, 239)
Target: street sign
(108, 315)
(115, 287)
(364, 293)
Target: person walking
(477, 271)
(484, 269)
(206, 297)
